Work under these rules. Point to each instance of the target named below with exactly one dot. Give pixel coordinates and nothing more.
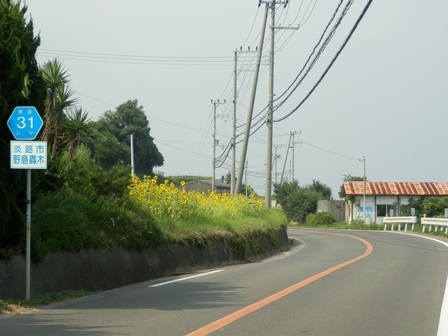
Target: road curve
(352, 283)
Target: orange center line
(218, 324)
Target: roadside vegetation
(87, 198)
(23, 306)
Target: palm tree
(64, 101)
(75, 126)
(55, 76)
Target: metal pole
(132, 154)
(28, 234)
(270, 112)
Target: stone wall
(106, 269)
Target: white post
(132, 154)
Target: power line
(309, 57)
(138, 59)
(329, 151)
(331, 63)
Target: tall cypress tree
(20, 85)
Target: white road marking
(187, 278)
(443, 320)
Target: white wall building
(386, 198)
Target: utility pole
(239, 179)
(293, 150)
(269, 4)
(292, 157)
(270, 112)
(235, 93)
(276, 157)
(269, 119)
(215, 103)
(364, 188)
(233, 190)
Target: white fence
(441, 223)
(399, 220)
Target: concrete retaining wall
(106, 269)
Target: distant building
(204, 186)
(386, 198)
(335, 208)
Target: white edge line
(183, 279)
(443, 320)
(426, 237)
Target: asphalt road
(346, 283)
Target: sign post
(25, 123)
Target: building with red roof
(386, 198)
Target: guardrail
(436, 222)
(399, 220)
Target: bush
(68, 221)
(320, 218)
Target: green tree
(105, 146)
(435, 206)
(87, 178)
(297, 202)
(283, 190)
(20, 85)
(110, 139)
(75, 125)
(300, 204)
(55, 76)
(323, 190)
(59, 100)
(64, 102)
(417, 204)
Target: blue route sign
(25, 123)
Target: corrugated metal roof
(397, 188)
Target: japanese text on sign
(28, 154)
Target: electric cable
(313, 51)
(331, 63)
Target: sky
(383, 99)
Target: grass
(72, 220)
(10, 306)
(152, 213)
(359, 225)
